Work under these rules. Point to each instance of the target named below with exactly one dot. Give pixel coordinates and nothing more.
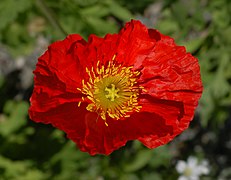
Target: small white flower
(192, 169)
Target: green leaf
(179, 11)
(167, 26)
(140, 160)
(161, 156)
(226, 35)
(20, 170)
(10, 9)
(101, 26)
(129, 177)
(193, 45)
(220, 86)
(16, 119)
(85, 2)
(95, 11)
(119, 11)
(154, 176)
(207, 106)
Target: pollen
(111, 90)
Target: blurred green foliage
(30, 151)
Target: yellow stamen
(106, 123)
(79, 103)
(112, 90)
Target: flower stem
(50, 16)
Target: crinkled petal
(102, 139)
(135, 43)
(171, 74)
(65, 117)
(59, 62)
(96, 49)
(56, 80)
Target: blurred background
(30, 151)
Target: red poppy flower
(137, 84)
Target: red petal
(102, 139)
(131, 46)
(97, 49)
(172, 75)
(170, 111)
(92, 135)
(135, 43)
(66, 117)
(56, 78)
(58, 60)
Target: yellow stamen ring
(112, 91)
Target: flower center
(111, 91)
(187, 172)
